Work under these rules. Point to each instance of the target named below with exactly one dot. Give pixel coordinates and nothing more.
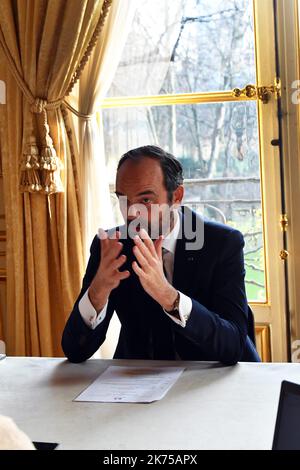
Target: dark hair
(171, 167)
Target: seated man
(180, 293)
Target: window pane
(217, 144)
(184, 46)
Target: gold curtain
(94, 84)
(46, 41)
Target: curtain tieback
(84, 117)
(41, 168)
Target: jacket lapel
(186, 261)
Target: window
(195, 48)
(175, 87)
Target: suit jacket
(218, 324)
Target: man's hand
(108, 276)
(150, 271)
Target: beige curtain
(93, 87)
(43, 43)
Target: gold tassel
(40, 171)
(50, 170)
(50, 164)
(30, 179)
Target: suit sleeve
(221, 331)
(79, 341)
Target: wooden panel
(263, 341)
(2, 260)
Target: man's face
(142, 183)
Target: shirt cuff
(185, 308)
(90, 316)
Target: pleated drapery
(44, 47)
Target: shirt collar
(169, 243)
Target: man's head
(151, 179)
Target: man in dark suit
(180, 293)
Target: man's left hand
(150, 271)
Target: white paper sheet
(131, 384)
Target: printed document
(135, 384)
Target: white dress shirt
(92, 318)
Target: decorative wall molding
(263, 341)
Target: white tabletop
(210, 407)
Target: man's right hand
(108, 276)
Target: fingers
(110, 233)
(116, 277)
(112, 252)
(103, 235)
(140, 256)
(118, 263)
(123, 275)
(110, 244)
(138, 271)
(147, 241)
(158, 246)
(143, 249)
(114, 269)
